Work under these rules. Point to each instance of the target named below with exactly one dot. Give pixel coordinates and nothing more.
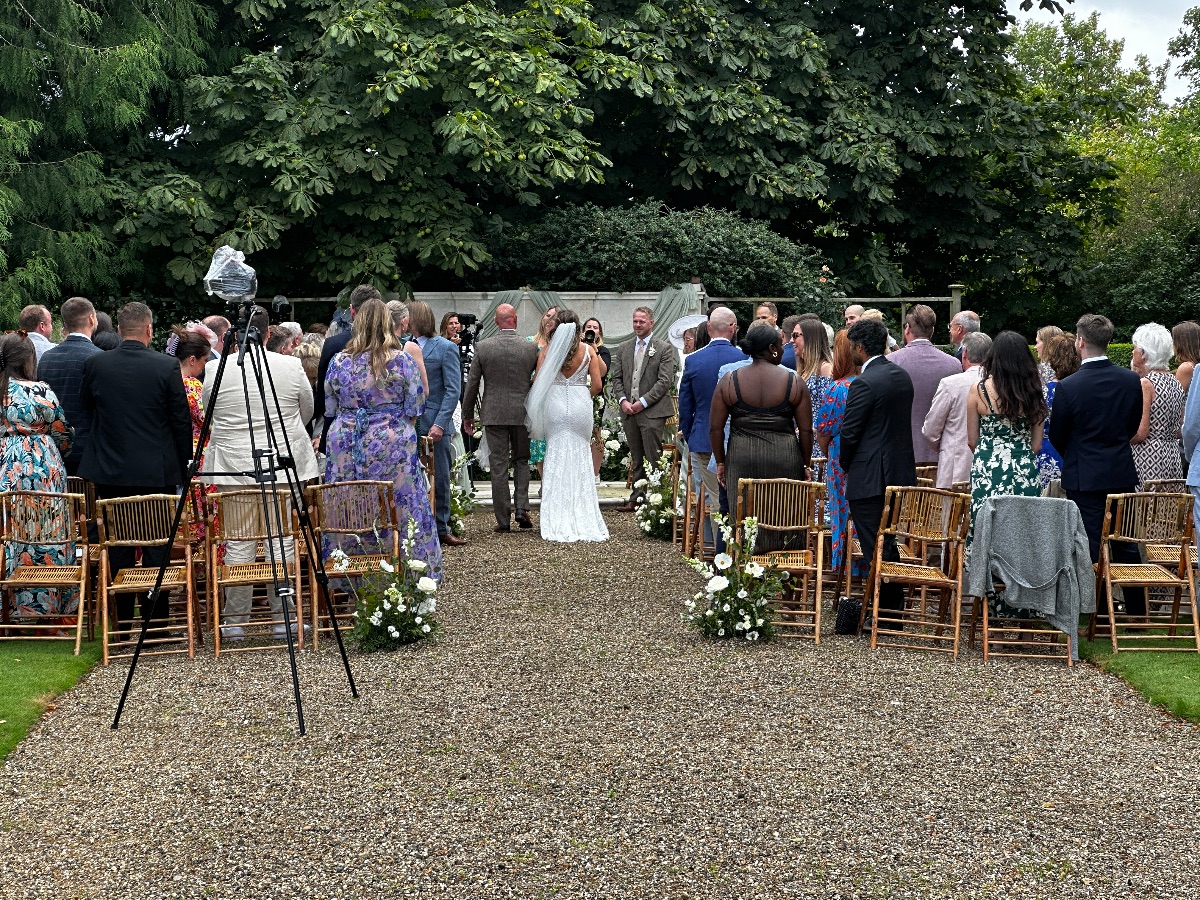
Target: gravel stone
(567, 736)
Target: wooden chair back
(1145, 518)
(782, 506)
(239, 516)
(1165, 486)
(77, 485)
(926, 515)
(353, 507)
(44, 518)
(138, 521)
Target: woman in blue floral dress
(1059, 353)
(373, 392)
(830, 413)
(1005, 414)
(34, 437)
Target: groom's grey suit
(505, 364)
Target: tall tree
(77, 86)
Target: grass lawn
(1170, 680)
(32, 674)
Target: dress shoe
(501, 529)
(523, 519)
(280, 631)
(629, 506)
(450, 540)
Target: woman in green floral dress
(1005, 413)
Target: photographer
(593, 333)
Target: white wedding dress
(570, 506)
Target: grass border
(1170, 679)
(32, 675)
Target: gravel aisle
(566, 737)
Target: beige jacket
(946, 426)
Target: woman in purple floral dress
(373, 392)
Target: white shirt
(868, 362)
(1090, 359)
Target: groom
(505, 363)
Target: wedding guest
(230, 449)
(1060, 354)
(444, 370)
(1186, 340)
(319, 329)
(279, 339)
(37, 322)
(62, 369)
(451, 328)
(309, 354)
(375, 394)
(643, 371)
(1156, 451)
(945, 426)
(296, 333)
(335, 344)
(105, 336)
(963, 323)
(789, 348)
(853, 313)
(814, 359)
(1005, 417)
(593, 335)
(689, 344)
(191, 348)
(401, 325)
(141, 440)
(34, 435)
(504, 365)
(696, 394)
(830, 416)
(926, 366)
(1096, 413)
(593, 327)
(876, 449)
(1045, 370)
(219, 326)
(767, 407)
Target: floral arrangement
(655, 516)
(617, 460)
(738, 595)
(462, 499)
(394, 606)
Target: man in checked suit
(643, 370)
(877, 447)
(505, 364)
(61, 367)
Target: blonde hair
(372, 334)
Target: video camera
(470, 327)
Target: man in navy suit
(700, 377)
(444, 369)
(877, 448)
(333, 346)
(61, 367)
(1096, 412)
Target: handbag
(848, 613)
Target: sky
(1145, 25)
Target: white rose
(417, 620)
(656, 499)
(651, 352)
(417, 565)
(754, 570)
(427, 585)
(605, 434)
(386, 566)
(717, 583)
(723, 561)
(612, 445)
(426, 629)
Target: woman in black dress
(770, 416)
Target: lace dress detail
(570, 506)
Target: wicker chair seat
(251, 573)
(43, 576)
(141, 578)
(787, 559)
(905, 552)
(1142, 573)
(357, 566)
(927, 574)
(1167, 554)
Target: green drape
(543, 300)
(674, 302)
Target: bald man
(505, 364)
(853, 313)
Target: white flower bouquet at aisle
(395, 606)
(462, 499)
(615, 466)
(656, 516)
(739, 594)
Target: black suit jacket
(1096, 411)
(329, 349)
(141, 426)
(877, 449)
(61, 367)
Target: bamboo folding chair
(238, 515)
(794, 511)
(45, 520)
(925, 518)
(1165, 486)
(364, 512)
(141, 522)
(679, 523)
(696, 545)
(1162, 525)
(926, 476)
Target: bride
(559, 410)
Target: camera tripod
(269, 462)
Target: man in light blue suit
(700, 377)
(444, 370)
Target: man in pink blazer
(926, 365)
(946, 424)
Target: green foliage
(32, 674)
(1169, 680)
